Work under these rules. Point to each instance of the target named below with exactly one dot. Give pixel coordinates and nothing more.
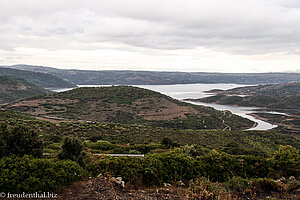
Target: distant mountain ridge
(127, 77)
(12, 89)
(44, 80)
(129, 105)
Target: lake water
(184, 91)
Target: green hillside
(280, 102)
(253, 142)
(40, 79)
(63, 153)
(12, 89)
(282, 96)
(126, 104)
(283, 89)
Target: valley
(277, 103)
(150, 100)
(77, 129)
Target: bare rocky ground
(112, 189)
(105, 188)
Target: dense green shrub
(28, 174)
(219, 166)
(153, 169)
(175, 166)
(19, 140)
(170, 167)
(168, 143)
(71, 149)
(237, 184)
(286, 161)
(130, 168)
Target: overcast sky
(172, 35)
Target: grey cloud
(245, 27)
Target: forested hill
(126, 104)
(113, 77)
(40, 79)
(282, 96)
(12, 89)
(283, 89)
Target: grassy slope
(256, 141)
(12, 89)
(126, 104)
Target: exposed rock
(292, 178)
(282, 180)
(167, 185)
(118, 180)
(180, 183)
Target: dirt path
(223, 121)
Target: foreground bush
(154, 169)
(157, 169)
(286, 162)
(28, 174)
(203, 188)
(71, 149)
(19, 140)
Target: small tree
(168, 143)
(71, 149)
(19, 140)
(287, 161)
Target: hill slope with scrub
(126, 104)
(43, 80)
(12, 89)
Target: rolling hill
(283, 96)
(126, 104)
(12, 89)
(126, 77)
(283, 89)
(37, 78)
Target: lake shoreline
(196, 91)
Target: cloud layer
(148, 27)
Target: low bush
(28, 174)
(265, 184)
(155, 169)
(203, 188)
(19, 140)
(237, 184)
